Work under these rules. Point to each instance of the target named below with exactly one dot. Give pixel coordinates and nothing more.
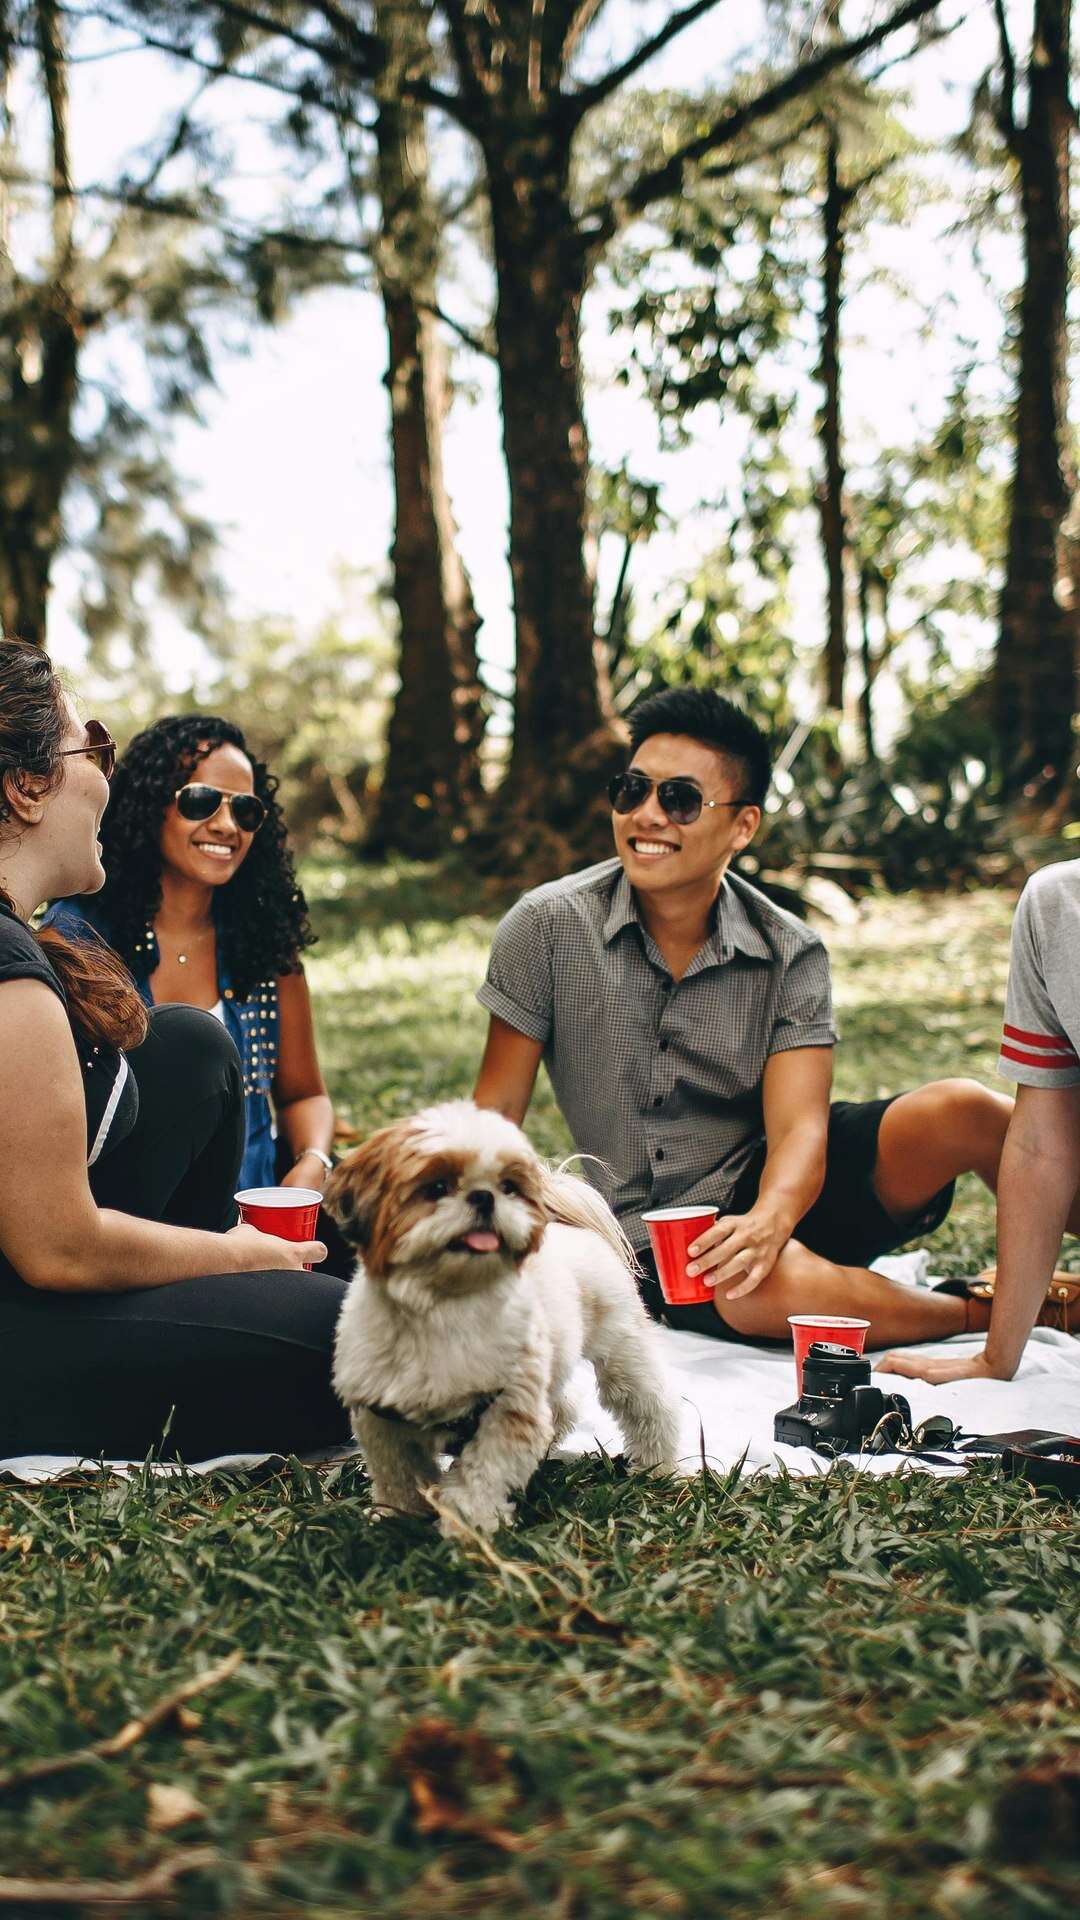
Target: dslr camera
(838, 1407)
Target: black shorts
(847, 1222)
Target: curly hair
(261, 915)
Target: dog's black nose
(482, 1201)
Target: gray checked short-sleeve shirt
(659, 1078)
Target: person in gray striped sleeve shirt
(1039, 1188)
(686, 1025)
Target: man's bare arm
(741, 1250)
(1037, 1188)
(508, 1071)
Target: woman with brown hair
(131, 1305)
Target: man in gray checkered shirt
(686, 1026)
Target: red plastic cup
(671, 1230)
(808, 1327)
(289, 1212)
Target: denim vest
(253, 1024)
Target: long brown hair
(101, 997)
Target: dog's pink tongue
(482, 1240)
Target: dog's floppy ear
(357, 1183)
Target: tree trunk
(866, 694)
(39, 349)
(1035, 690)
(561, 739)
(431, 782)
(831, 486)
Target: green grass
(807, 1698)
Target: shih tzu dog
(482, 1280)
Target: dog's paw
(392, 1503)
(463, 1512)
(653, 1468)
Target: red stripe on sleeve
(1056, 1042)
(1049, 1063)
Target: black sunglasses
(893, 1435)
(100, 746)
(682, 800)
(200, 802)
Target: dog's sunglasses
(100, 747)
(197, 801)
(681, 799)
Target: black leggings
(228, 1363)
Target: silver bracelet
(319, 1155)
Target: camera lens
(830, 1371)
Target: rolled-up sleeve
(804, 1004)
(519, 986)
(1035, 1049)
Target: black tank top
(109, 1089)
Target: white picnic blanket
(729, 1395)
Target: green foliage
(712, 637)
(315, 706)
(160, 276)
(945, 831)
(717, 295)
(929, 520)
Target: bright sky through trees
(292, 465)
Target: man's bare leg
(927, 1138)
(931, 1135)
(936, 1132)
(802, 1282)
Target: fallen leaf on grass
(457, 1780)
(584, 1619)
(169, 1807)
(15, 1542)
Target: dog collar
(462, 1429)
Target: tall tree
(39, 344)
(119, 256)
(518, 100)
(431, 780)
(511, 87)
(834, 205)
(1035, 686)
(294, 49)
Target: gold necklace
(183, 958)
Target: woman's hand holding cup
(252, 1251)
(284, 1213)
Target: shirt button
(663, 1046)
(659, 1153)
(659, 1101)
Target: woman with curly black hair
(201, 901)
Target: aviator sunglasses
(100, 747)
(197, 801)
(681, 799)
